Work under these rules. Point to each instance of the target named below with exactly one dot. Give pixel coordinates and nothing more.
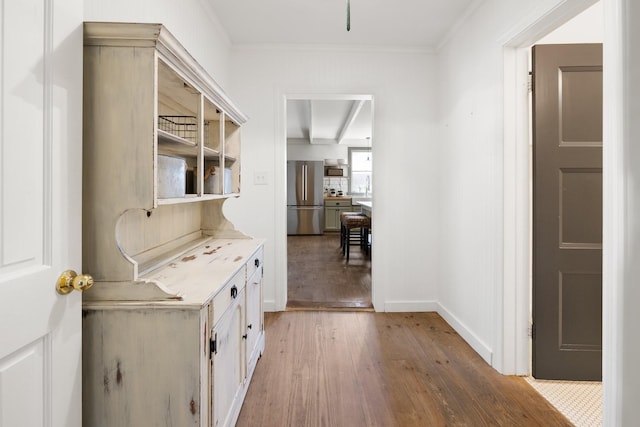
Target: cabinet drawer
(228, 294)
(339, 203)
(255, 262)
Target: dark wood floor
(329, 368)
(319, 276)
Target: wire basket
(185, 127)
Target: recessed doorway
(332, 133)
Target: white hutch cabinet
(173, 326)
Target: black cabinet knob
(257, 262)
(234, 291)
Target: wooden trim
(279, 300)
(509, 359)
(111, 34)
(616, 136)
(480, 347)
(280, 181)
(542, 20)
(410, 306)
(140, 290)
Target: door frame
(281, 268)
(513, 342)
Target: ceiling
(402, 23)
(327, 120)
(413, 24)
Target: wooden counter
(337, 197)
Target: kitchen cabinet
(228, 361)
(177, 362)
(173, 326)
(332, 210)
(238, 326)
(254, 310)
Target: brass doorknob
(70, 280)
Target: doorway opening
(329, 157)
(567, 179)
(567, 22)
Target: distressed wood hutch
(173, 326)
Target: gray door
(567, 212)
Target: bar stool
(350, 222)
(343, 233)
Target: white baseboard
(410, 306)
(270, 306)
(476, 343)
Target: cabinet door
(331, 219)
(228, 363)
(254, 317)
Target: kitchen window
(360, 165)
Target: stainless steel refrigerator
(305, 201)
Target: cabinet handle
(234, 291)
(257, 262)
(213, 345)
(249, 326)
(244, 337)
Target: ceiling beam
(353, 114)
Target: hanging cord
(348, 15)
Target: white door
(40, 211)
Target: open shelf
(169, 143)
(191, 198)
(211, 154)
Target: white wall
(471, 125)
(405, 218)
(317, 152)
(192, 22)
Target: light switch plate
(260, 178)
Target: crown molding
(282, 47)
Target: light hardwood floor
(352, 369)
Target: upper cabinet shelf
(148, 104)
(168, 105)
(171, 144)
